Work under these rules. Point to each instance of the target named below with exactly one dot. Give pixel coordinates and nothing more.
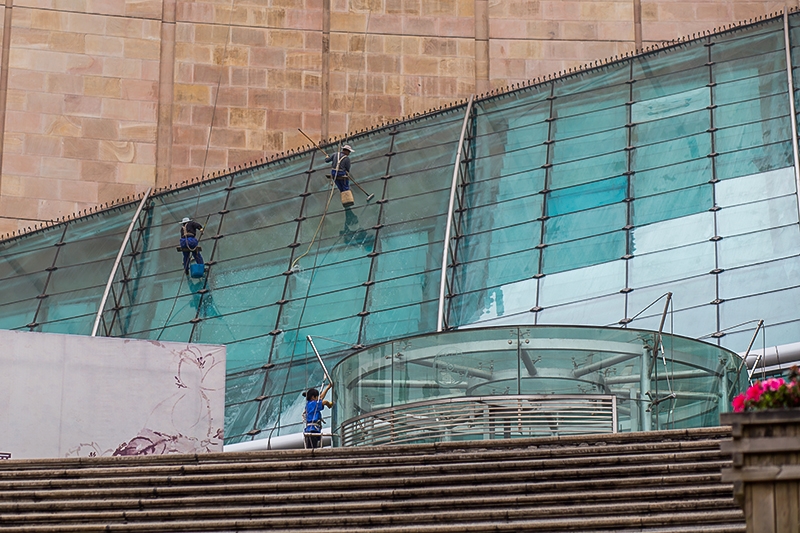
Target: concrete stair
(667, 481)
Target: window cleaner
(340, 172)
(312, 416)
(190, 246)
(338, 169)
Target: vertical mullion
(713, 181)
(792, 107)
(629, 195)
(210, 263)
(52, 268)
(294, 246)
(362, 328)
(276, 330)
(548, 169)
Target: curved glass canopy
(507, 382)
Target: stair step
(668, 481)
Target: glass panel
(587, 196)
(585, 223)
(671, 177)
(592, 145)
(753, 134)
(23, 288)
(17, 315)
(752, 90)
(648, 108)
(395, 323)
(757, 216)
(671, 152)
(745, 67)
(686, 293)
(583, 253)
(653, 66)
(761, 307)
(522, 160)
(485, 305)
(674, 264)
(672, 233)
(576, 285)
(484, 191)
(588, 170)
(760, 278)
(498, 270)
(248, 353)
(598, 311)
(672, 205)
(759, 247)
(502, 214)
(759, 40)
(499, 242)
(603, 119)
(754, 160)
(751, 111)
(683, 125)
(755, 187)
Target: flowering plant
(772, 393)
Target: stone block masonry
(101, 100)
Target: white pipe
(775, 357)
(792, 115)
(293, 441)
(116, 262)
(449, 223)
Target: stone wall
(102, 99)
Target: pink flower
(773, 384)
(738, 404)
(754, 393)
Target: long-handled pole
(368, 195)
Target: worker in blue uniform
(312, 416)
(189, 245)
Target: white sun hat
(185, 220)
(348, 148)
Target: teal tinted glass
(582, 199)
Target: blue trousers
(191, 243)
(343, 184)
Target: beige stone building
(101, 99)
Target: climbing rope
(319, 226)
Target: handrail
(116, 262)
(448, 226)
(500, 416)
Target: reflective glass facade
(581, 200)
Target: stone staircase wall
(644, 482)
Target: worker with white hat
(340, 170)
(189, 245)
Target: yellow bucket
(347, 198)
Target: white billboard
(77, 396)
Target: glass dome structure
(580, 199)
(505, 382)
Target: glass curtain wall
(593, 196)
(585, 199)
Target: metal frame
(792, 111)
(117, 261)
(449, 225)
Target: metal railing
(483, 417)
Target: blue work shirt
(340, 164)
